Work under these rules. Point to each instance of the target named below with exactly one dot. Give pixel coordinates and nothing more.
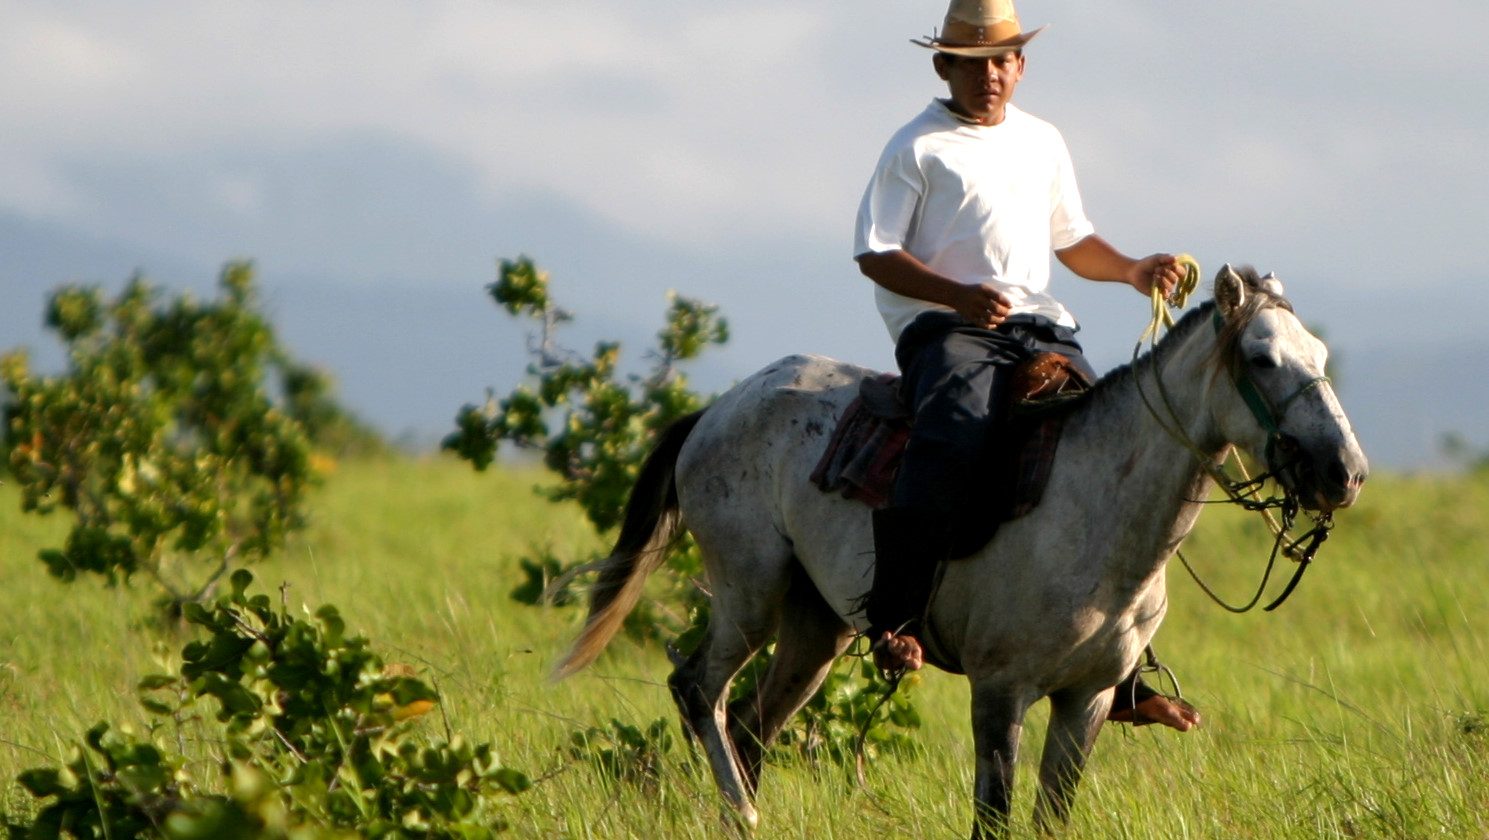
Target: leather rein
(1246, 493)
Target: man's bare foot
(893, 653)
(1169, 711)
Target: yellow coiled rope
(1178, 298)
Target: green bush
(594, 428)
(608, 422)
(310, 734)
(179, 437)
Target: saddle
(864, 453)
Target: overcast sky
(375, 159)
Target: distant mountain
(408, 353)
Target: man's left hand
(1158, 270)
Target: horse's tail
(650, 525)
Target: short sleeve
(887, 211)
(1068, 222)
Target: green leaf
(42, 781)
(196, 614)
(241, 580)
(154, 682)
(156, 707)
(511, 780)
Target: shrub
(311, 734)
(163, 438)
(605, 425)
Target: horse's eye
(1262, 361)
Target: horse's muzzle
(1325, 478)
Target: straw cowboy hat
(979, 28)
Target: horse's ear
(1271, 284)
(1230, 290)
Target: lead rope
(860, 744)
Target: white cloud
(240, 193)
(43, 55)
(715, 124)
(522, 91)
(30, 184)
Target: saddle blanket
(864, 453)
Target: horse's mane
(1258, 298)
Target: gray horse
(1060, 604)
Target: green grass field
(1359, 709)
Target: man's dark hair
(952, 58)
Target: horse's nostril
(1338, 475)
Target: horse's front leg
(997, 720)
(1075, 721)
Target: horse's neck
(1146, 439)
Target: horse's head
(1287, 414)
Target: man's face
(981, 87)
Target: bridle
(1246, 493)
(1267, 416)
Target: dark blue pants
(954, 379)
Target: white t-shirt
(979, 204)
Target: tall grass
(1358, 709)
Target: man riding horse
(955, 228)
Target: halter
(1245, 493)
(1267, 416)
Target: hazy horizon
(377, 159)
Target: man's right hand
(981, 305)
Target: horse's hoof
(745, 817)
